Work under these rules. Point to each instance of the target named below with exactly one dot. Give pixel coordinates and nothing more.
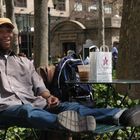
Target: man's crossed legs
(69, 116)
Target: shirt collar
(10, 53)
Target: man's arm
(41, 89)
(46, 94)
(51, 100)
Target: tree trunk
(101, 33)
(11, 14)
(41, 33)
(128, 66)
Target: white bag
(101, 64)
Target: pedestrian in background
(115, 54)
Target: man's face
(6, 36)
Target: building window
(61, 5)
(78, 6)
(107, 9)
(92, 8)
(20, 3)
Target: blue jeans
(28, 116)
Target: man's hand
(52, 101)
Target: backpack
(65, 70)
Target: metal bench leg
(114, 135)
(34, 133)
(132, 134)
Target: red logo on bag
(105, 61)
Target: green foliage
(106, 96)
(17, 133)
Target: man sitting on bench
(19, 83)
